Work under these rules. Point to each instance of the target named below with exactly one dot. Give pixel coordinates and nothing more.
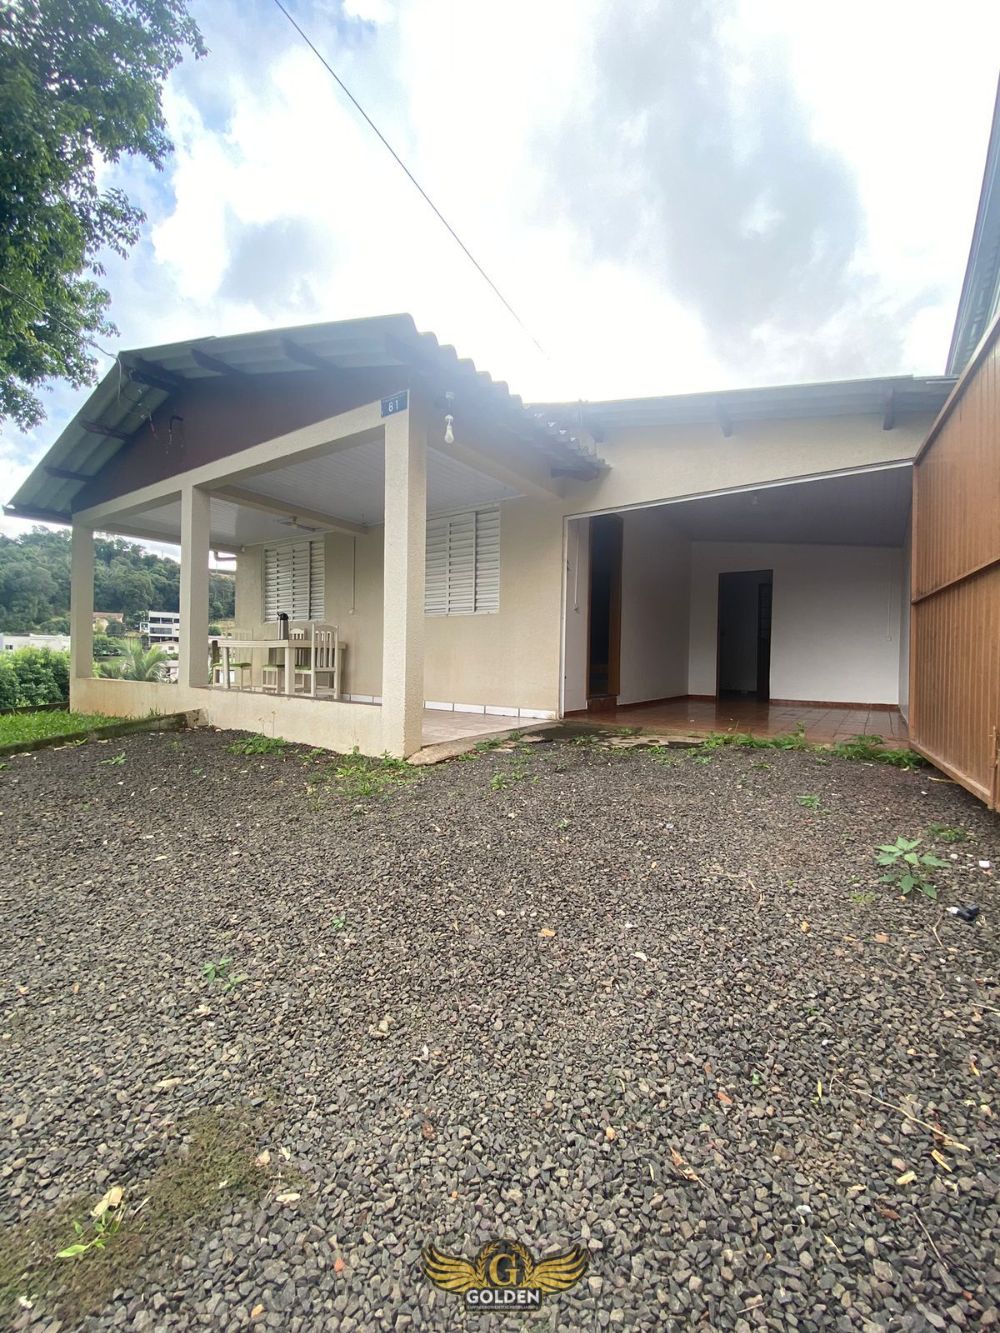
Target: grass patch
(865, 749)
(810, 801)
(358, 775)
(257, 744)
(947, 833)
(217, 1164)
(16, 728)
(872, 749)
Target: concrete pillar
(193, 663)
(81, 605)
(404, 539)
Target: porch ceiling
(347, 484)
(863, 509)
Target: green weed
(103, 1223)
(116, 760)
(863, 898)
(220, 971)
(810, 801)
(358, 775)
(257, 744)
(907, 866)
(872, 750)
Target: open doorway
(744, 654)
(604, 643)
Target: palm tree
(137, 665)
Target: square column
(193, 663)
(81, 605)
(404, 552)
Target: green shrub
(8, 684)
(42, 676)
(106, 646)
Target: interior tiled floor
(822, 725)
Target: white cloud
(279, 204)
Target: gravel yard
(654, 1003)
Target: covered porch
(328, 525)
(755, 609)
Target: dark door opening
(744, 669)
(603, 663)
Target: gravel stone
(622, 998)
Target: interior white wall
(576, 620)
(835, 634)
(655, 607)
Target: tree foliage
(32, 676)
(137, 664)
(34, 581)
(80, 85)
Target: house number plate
(397, 403)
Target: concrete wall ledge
(326, 724)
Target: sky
(674, 195)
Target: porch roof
(144, 379)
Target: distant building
(161, 627)
(58, 642)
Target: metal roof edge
(819, 392)
(981, 282)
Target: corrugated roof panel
(124, 402)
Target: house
(160, 627)
(56, 642)
(480, 562)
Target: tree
(80, 84)
(138, 665)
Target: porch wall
(835, 634)
(507, 659)
(320, 722)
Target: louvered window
(463, 563)
(293, 580)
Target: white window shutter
(488, 560)
(294, 580)
(317, 580)
(436, 568)
(462, 571)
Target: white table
(290, 646)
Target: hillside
(34, 582)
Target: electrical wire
(410, 176)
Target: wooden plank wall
(955, 592)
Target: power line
(413, 180)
